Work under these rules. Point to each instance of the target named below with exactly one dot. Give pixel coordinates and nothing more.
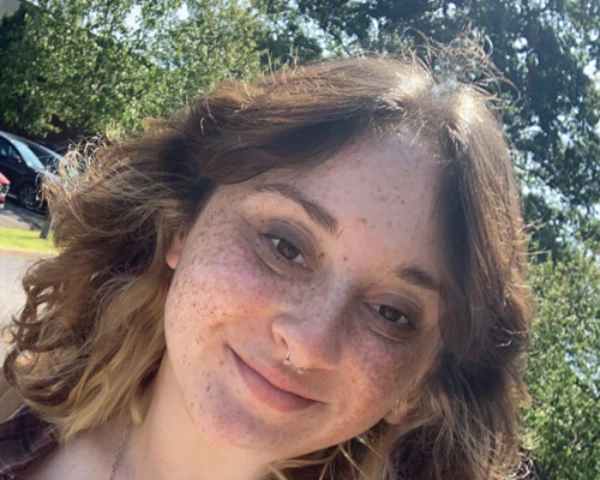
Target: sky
(8, 7)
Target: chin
(225, 422)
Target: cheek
(383, 374)
(218, 283)
(378, 371)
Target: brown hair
(92, 325)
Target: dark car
(62, 151)
(4, 187)
(24, 170)
(48, 157)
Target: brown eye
(288, 251)
(392, 314)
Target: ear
(174, 251)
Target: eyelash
(273, 242)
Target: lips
(265, 390)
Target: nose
(314, 329)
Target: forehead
(389, 170)
(395, 156)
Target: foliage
(563, 371)
(90, 64)
(286, 37)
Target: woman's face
(338, 265)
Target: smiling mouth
(267, 393)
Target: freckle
(208, 388)
(363, 220)
(401, 202)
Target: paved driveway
(15, 216)
(11, 294)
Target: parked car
(62, 151)
(4, 187)
(48, 157)
(24, 170)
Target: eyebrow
(417, 277)
(313, 209)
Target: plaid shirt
(24, 439)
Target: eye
(392, 315)
(288, 251)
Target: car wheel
(27, 196)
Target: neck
(168, 446)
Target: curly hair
(90, 337)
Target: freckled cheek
(384, 378)
(372, 388)
(381, 377)
(220, 288)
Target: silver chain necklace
(115, 463)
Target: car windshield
(49, 158)
(44, 153)
(28, 156)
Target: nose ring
(288, 361)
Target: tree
(286, 37)
(90, 64)
(564, 369)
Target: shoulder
(24, 436)
(9, 399)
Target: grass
(17, 239)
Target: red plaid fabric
(24, 439)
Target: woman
(316, 275)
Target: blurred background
(73, 69)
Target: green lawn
(14, 238)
